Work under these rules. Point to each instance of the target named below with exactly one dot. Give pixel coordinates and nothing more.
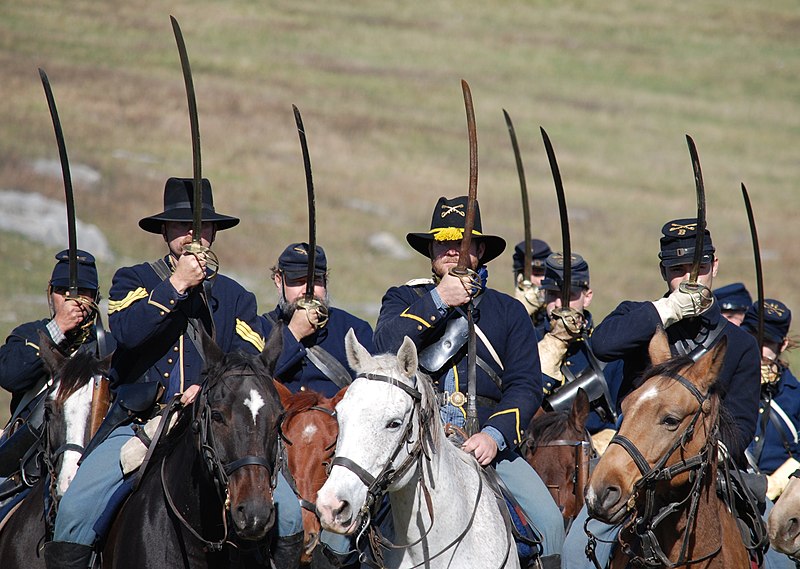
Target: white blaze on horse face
(254, 403)
(76, 419)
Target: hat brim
(153, 223)
(495, 245)
(687, 260)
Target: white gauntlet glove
(777, 481)
(529, 295)
(681, 304)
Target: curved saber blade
(312, 210)
(562, 212)
(197, 197)
(757, 257)
(469, 221)
(70, 199)
(523, 186)
(701, 211)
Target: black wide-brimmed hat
(447, 224)
(178, 194)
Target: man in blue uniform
(313, 355)
(733, 300)
(530, 294)
(693, 324)
(776, 447)
(509, 390)
(156, 311)
(565, 348)
(72, 327)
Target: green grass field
(617, 85)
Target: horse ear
(659, 347)
(283, 392)
(211, 350)
(339, 395)
(357, 355)
(709, 366)
(580, 411)
(48, 351)
(407, 357)
(273, 348)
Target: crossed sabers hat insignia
(773, 309)
(682, 229)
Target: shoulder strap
(329, 365)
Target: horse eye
(394, 424)
(217, 416)
(671, 422)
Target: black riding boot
(66, 555)
(287, 552)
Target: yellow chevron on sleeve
(405, 314)
(130, 298)
(31, 344)
(244, 330)
(515, 411)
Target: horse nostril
(609, 497)
(343, 514)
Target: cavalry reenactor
(775, 450)
(508, 390)
(71, 327)
(313, 355)
(530, 293)
(156, 313)
(565, 349)
(693, 323)
(734, 300)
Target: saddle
(745, 495)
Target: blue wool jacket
(411, 311)
(577, 360)
(785, 411)
(625, 334)
(21, 368)
(296, 371)
(150, 322)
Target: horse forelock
(303, 401)
(548, 427)
(76, 372)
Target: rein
(643, 525)
(207, 447)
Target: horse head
(310, 430)
(784, 521)
(238, 418)
(671, 418)
(68, 408)
(558, 447)
(384, 420)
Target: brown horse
(558, 447)
(784, 520)
(310, 430)
(657, 477)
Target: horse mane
(76, 372)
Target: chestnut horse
(309, 430)
(558, 446)
(658, 476)
(784, 520)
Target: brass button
(302, 388)
(419, 328)
(169, 360)
(175, 349)
(433, 318)
(172, 301)
(761, 410)
(161, 312)
(166, 374)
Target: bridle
(220, 472)
(379, 484)
(642, 523)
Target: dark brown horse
(206, 496)
(558, 447)
(310, 430)
(658, 476)
(66, 433)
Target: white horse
(391, 440)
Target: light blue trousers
(574, 555)
(533, 496)
(101, 474)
